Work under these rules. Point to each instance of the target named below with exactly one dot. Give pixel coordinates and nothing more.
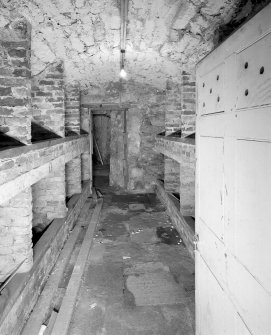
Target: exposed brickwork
(15, 81)
(16, 234)
(180, 114)
(15, 121)
(72, 109)
(188, 102)
(72, 127)
(49, 199)
(187, 181)
(23, 292)
(85, 157)
(172, 173)
(48, 99)
(73, 176)
(173, 108)
(48, 110)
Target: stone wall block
(172, 179)
(188, 100)
(85, 163)
(48, 99)
(16, 234)
(15, 92)
(73, 176)
(72, 109)
(49, 199)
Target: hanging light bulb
(123, 73)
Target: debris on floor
(140, 277)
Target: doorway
(101, 145)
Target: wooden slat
(66, 310)
(42, 307)
(17, 185)
(51, 323)
(85, 212)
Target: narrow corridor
(139, 278)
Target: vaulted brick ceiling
(163, 36)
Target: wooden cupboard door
(233, 187)
(254, 74)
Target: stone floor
(139, 278)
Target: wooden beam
(101, 112)
(66, 310)
(25, 180)
(41, 309)
(106, 107)
(51, 323)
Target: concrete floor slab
(135, 283)
(136, 207)
(155, 288)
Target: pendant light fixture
(123, 28)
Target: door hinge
(196, 240)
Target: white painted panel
(251, 299)
(233, 209)
(211, 184)
(213, 251)
(212, 125)
(216, 315)
(252, 229)
(210, 91)
(254, 87)
(254, 123)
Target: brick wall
(188, 101)
(187, 180)
(15, 121)
(48, 99)
(172, 175)
(72, 127)
(16, 234)
(173, 107)
(14, 81)
(72, 109)
(173, 122)
(48, 108)
(73, 176)
(49, 199)
(85, 157)
(180, 114)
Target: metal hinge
(196, 240)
